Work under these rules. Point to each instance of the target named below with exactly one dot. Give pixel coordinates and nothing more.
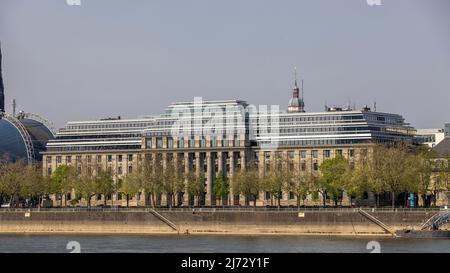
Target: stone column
(220, 162)
(186, 171)
(261, 163)
(197, 168)
(243, 167)
(231, 157)
(197, 163)
(243, 160)
(209, 178)
(177, 173)
(164, 198)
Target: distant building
(430, 137)
(442, 161)
(23, 137)
(296, 103)
(224, 136)
(443, 148)
(447, 129)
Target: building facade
(429, 137)
(224, 137)
(113, 144)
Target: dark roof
(443, 148)
(11, 142)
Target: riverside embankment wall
(348, 222)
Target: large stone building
(223, 136)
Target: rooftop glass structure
(106, 134)
(233, 123)
(23, 137)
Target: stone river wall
(326, 222)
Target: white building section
(430, 137)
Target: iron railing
(221, 209)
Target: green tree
(196, 184)
(35, 185)
(153, 177)
(221, 188)
(86, 186)
(131, 185)
(302, 184)
(357, 181)
(424, 165)
(445, 173)
(173, 182)
(334, 176)
(277, 179)
(12, 180)
(396, 169)
(248, 183)
(104, 184)
(371, 170)
(63, 180)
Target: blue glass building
(23, 137)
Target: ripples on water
(215, 243)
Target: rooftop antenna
(375, 105)
(303, 93)
(295, 76)
(14, 107)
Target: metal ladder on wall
(436, 221)
(164, 219)
(377, 222)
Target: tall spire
(296, 90)
(2, 90)
(296, 103)
(295, 77)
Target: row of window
(89, 158)
(320, 118)
(89, 170)
(99, 197)
(139, 196)
(92, 148)
(191, 142)
(108, 126)
(315, 153)
(311, 142)
(96, 136)
(325, 130)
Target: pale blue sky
(130, 58)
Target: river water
(216, 243)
